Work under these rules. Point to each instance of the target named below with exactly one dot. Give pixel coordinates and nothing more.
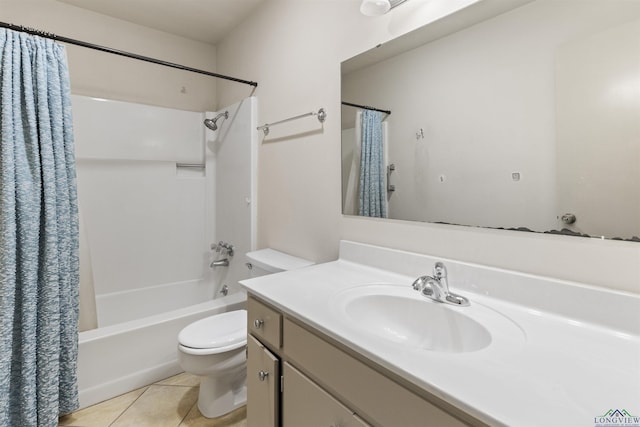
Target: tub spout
(220, 263)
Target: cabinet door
(306, 404)
(263, 385)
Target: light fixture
(375, 7)
(378, 7)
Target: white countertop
(565, 369)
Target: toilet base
(217, 399)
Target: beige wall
(293, 48)
(100, 74)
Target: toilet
(214, 348)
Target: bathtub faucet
(220, 263)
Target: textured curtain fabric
(38, 234)
(372, 192)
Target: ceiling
(204, 20)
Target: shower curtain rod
(81, 43)
(366, 107)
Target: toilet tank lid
(275, 261)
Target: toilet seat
(215, 334)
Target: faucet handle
(439, 271)
(418, 284)
(229, 248)
(425, 285)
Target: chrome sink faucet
(436, 287)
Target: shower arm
(213, 123)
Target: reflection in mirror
(527, 120)
(366, 177)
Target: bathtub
(118, 307)
(118, 358)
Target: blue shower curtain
(38, 234)
(372, 192)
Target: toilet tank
(269, 261)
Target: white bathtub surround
(233, 149)
(150, 213)
(561, 353)
(149, 189)
(144, 219)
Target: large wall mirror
(527, 119)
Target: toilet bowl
(214, 348)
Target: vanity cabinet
(311, 380)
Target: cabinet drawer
(375, 397)
(306, 404)
(265, 323)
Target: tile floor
(167, 403)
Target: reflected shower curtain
(38, 234)
(372, 192)
(352, 193)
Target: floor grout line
(130, 405)
(187, 414)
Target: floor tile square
(159, 406)
(101, 414)
(237, 418)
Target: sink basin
(399, 315)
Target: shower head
(211, 123)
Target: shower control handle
(262, 375)
(258, 323)
(223, 247)
(390, 187)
